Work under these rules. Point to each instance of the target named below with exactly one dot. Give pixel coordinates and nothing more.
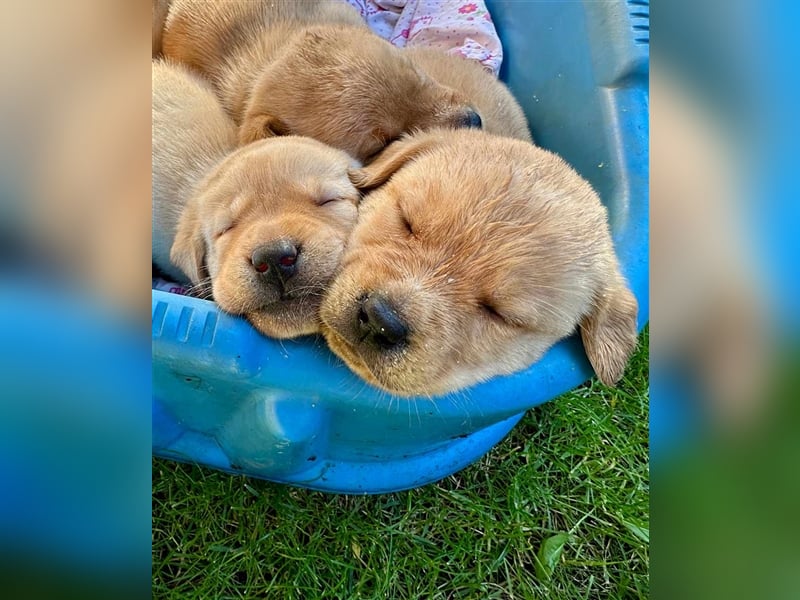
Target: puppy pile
(312, 177)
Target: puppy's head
(268, 226)
(350, 89)
(476, 256)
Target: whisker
(202, 289)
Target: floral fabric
(455, 26)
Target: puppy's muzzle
(276, 261)
(380, 324)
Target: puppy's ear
(258, 127)
(609, 331)
(392, 159)
(188, 251)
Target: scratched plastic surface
(290, 411)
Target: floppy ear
(395, 156)
(609, 332)
(258, 121)
(258, 127)
(188, 251)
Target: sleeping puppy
(191, 134)
(311, 68)
(500, 113)
(261, 228)
(476, 255)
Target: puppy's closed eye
(222, 230)
(342, 203)
(498, 316)
(407, 226)
(490, 311)
(324, 201)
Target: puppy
(261, 228)
(500, 113)
(476, 256)
(191, 134)
(311, 68)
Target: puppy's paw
(393, 158)
(359, 177)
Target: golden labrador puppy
(476, 255)
(261, 228)
(500, 113)
(311, 68)
(191, 134)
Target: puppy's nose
(276, 260)
(380, 323)
(471, 119)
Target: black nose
(471, 119)
(277, 260)
(380, 324)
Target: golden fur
(214, 208)
(309, 68)
(499, 110)
(489, 250)
(160, 10)
(191, 134)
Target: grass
(559, 509)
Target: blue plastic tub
(290, 411)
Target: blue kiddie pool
(289, 411)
